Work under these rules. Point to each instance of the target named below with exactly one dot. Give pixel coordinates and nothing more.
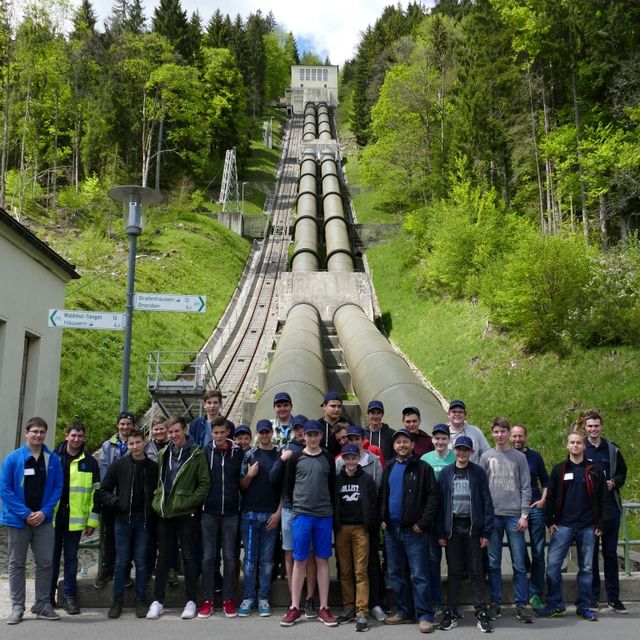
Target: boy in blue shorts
(310, 481)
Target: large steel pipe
(378, 372)
(336, 231)
(305, 256)
(324, 122)
(309, 129)
(297, 365)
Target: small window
(307, 74)
(301, 75)
(313, 75)
(325, 74)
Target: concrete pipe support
(297, 366)
(378, 372)
(305, 256)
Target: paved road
(95, 624)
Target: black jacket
(421, 495)
(224, 468)
(383, 439)
(119, 478)
(597, 493)
(368, 497)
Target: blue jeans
(558, 546)
(259, 545)
(67, 542)
(132, 535)
(609, 544)
(214, 530)
(517, 547)
(435, 561)
(412, 590)
(537, 531)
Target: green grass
(179, 252)
(456, 348)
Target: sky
(333, 30)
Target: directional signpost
(66, 319)
(166, 302)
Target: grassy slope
(453, 345)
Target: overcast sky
(327, 27)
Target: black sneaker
(310, 611)
(141, 608)
(483, 623)
(346, 616)
(361, 624)
(116, 609)
(449, 621)
(71, 606)
(46, 612)
(524, 614)
(102, 580)
(495, 611)
(617, 606)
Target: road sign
(66, 319)
(167, 302)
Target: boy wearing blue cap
(355, 513)
(332, 408)
(377, 432)
(283, 408)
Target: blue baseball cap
(457, 403)
(402, 432)
(264, 425)
(463, 441)
(355, 430)
(411, 410)
(282, 396)
(375, 404)
(441, 428)
(331, 395)
(125, 415)
(242, 428)
(350, 450)
(312, 425)
(298, 421)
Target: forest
(505, 135)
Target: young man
(465, 527)
(410, 501)
(578, 509)
(30, 487)
(310, 481)
(200, 428)
(283, 408)
(111, 450)
(127, 490)
(277, 476)
(537, 534)
(377, 432)
(219, 520)
(259, 521)
(437, 460)
(77, 511)
(159, 439)
(332, 413)
(458, 426)
(607, 454)
(183, 484)
(411, 422)
(355, 501)
(510, 486)
(368, 462)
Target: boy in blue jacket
(30, 488)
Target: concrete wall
(310, 83)
(245, 225)
(30, 285)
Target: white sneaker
(378, 613)
(155, 610)
(189, 610)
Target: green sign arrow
(52, 318)
(202, 303)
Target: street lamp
(242, 198)
(132, 198)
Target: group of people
(214, 494)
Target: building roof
(41, 246)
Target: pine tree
(170, 20)
(135, 21)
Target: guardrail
(184, 370)
(624, 527)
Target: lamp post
(132, 197)
(242, 198)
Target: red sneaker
(229, 609)
(327, 617)
(206, 609)
(292, 616)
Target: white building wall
(311, 83)
(29, 286)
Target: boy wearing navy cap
(332, 407)
(283, 408)
(242, 437)
(377, 432)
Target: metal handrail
(191, 370)
(626, 543)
